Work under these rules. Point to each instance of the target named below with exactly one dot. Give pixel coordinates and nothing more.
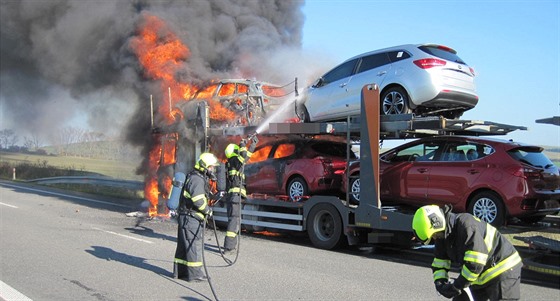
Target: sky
(514, 47)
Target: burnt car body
(250, 100)
(296, 167)
(493, 179)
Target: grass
(115, 169)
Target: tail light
(525, 172)
(472, 71)
(429, 63)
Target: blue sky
(514, 47)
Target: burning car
(249, 100)
(296, 167)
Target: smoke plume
(62, 60)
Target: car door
(371, 69)
(453, 178)
(260, 175)
(405, 178)
(323, 98)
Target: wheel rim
(393, 103)
(485, 209)
(355, 189)
(324, 225)
(296, 190)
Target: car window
(242, 88)
(399, 55)
(373, 61)
(443, 53)
(532, 156)
(207, 92)
(227, 89)
(284, 150)
(329, 148)
(342, 71)
(261, 154)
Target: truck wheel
(324, 226)
(488, 207)
(395, 101)
(297, 188)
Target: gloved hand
(209, 212)
(448, 290)
(255, 140)
(243, 143)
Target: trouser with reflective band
(233, 207)
(188, 255)
(504, 287)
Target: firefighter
(236, 156)
(192, 212)
(490, 265)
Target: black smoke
(65, 58)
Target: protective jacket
(194, 200)
(235, 177)
(477, 246)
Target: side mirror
(318, 83)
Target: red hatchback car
(493, 179)
(296, 167)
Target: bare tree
(8, 138)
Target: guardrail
(87, 180)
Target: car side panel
(452, 182)
(405, 182)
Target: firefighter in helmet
(192, 213)
(490, 265)
(236, 156)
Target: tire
(324, 226)
(302, 113)
(489, 207)
(297, 188)
(395, 100)
(355, 191)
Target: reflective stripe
(186, 194)
(440, 274)
(249, 154)
(239, 190)
(198, 197)
(476, 257)
(501, 267)
(194, 264)
(489, 238)
(470, 276)
(441, 263)
(199, 215)
(187, 263)
(180, 261)
(231, 234)
(241, 159)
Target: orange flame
(162, 55)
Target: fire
(162, 55)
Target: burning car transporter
(328, 220)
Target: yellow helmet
(206, 160)
(428, 220)
(232, 150)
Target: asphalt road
(58, 246)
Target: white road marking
(4, 204)
(65, 195)
(122, 235)
(8, 293)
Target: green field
(110, 168)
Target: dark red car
(493, 179)
(297, 167)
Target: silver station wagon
(424, 79)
